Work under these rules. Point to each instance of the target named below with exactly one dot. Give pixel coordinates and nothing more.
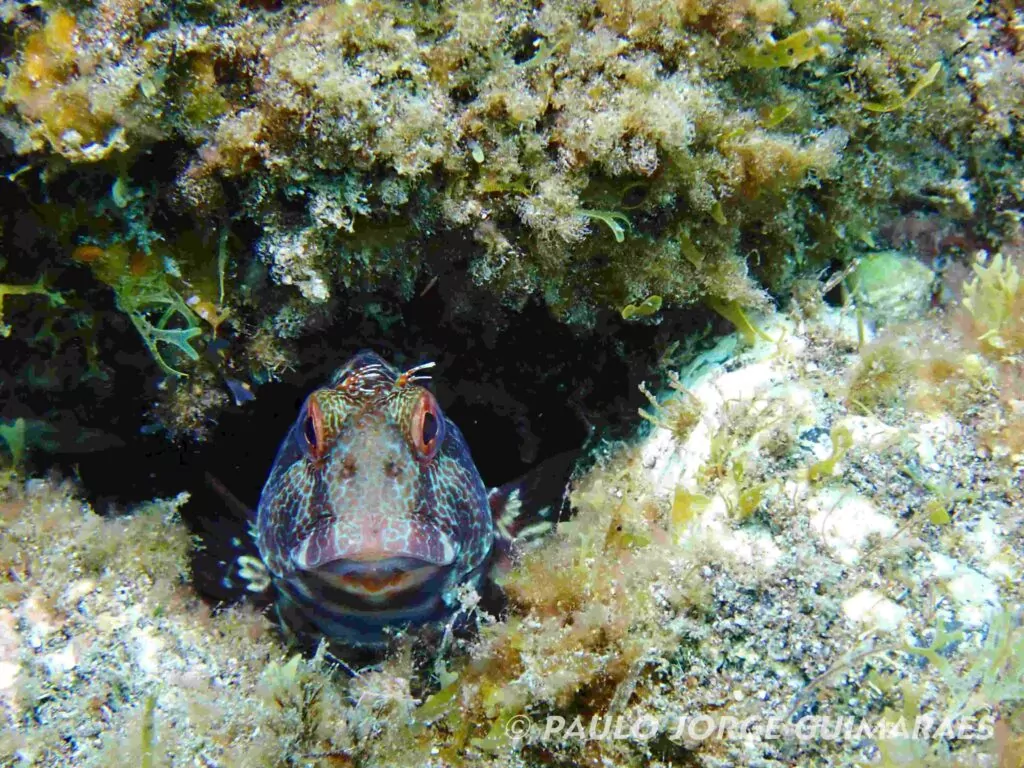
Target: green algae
(645, 308)
(734, 313)
(14, 437)
(842, 442)
(617, 222)
(896, 104)
(994, 298)
(799, 48)
(38, 288)
(155, 309)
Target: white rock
(930, 436)
(676, 463)
(975, 595)
(870, 432)
(992, 550)
(844, 519)
(60, 662)
(873, 609)
(8, 675)
(148, 651)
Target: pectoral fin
(531, 507)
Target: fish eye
(309, 430)
(427, 427)
(312, 423)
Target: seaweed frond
(995, 299)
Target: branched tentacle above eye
(413, 374)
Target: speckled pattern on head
(374, 513)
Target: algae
(746, 583)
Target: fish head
(374, 512)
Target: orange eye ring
(427, 427)
(312, 425)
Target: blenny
(374, 516)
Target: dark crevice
(521, 385)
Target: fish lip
(379, 579)
(376, 567)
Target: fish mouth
(377, 580)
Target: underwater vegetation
(269, 161)
(821, 513)
(772, 543)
